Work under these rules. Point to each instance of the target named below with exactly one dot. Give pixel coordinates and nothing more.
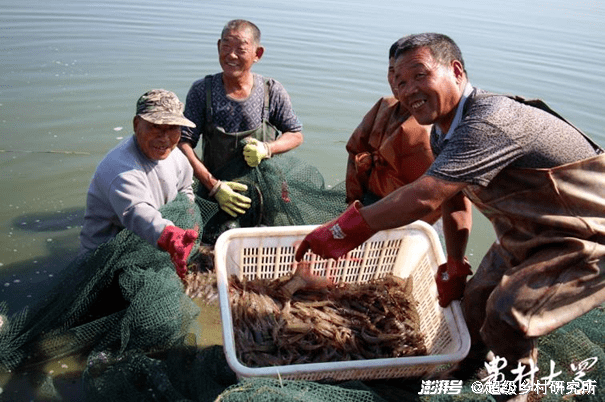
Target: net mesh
(284, 191)
(123, 309)
(270, 390)
(124, 296)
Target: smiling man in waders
(540, 182)
(240, 116)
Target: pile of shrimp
(299, 319)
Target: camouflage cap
(160, 106)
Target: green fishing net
(123, 309)
(284, 191)
(124, 296)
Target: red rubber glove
(451, 280)
(178, 243)
(337, 237)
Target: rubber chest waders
(548, 265)
(220, 147)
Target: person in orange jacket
(387, 150)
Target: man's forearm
(199, 169)
(286, 142)
(410, 203)
(457, 224)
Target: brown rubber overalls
(548, 265)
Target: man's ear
(259, 53)
(458, 69)
(135, 123)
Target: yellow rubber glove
(255, 151)
(228, 199)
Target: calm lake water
(71, 72)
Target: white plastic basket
(412, 250)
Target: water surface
(71, 72)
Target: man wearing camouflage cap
(140, 175)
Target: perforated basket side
(444, 330)
(372, 260)
(437, 334)
(271, 255)
(266, 262)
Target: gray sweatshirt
(127, 191)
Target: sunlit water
(71, 71)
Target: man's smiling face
(156, 141)
(238, 52)
(429, 90)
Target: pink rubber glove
(451, 280)
(178, 243)
(337, 237)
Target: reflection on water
(71, 73)
(50, 221)
(55, 381)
